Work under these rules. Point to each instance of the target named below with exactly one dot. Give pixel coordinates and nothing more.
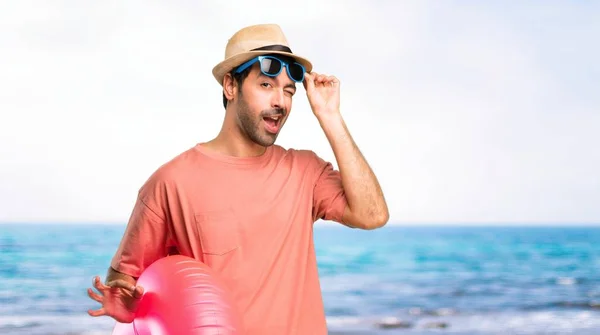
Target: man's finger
(307, 77)
(309, 82)
(138, 292)
(98, 284)
(96, 297)
(97, 312)
(120, 283)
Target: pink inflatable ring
(182, 296)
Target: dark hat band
(274, 47)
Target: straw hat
(253, 41)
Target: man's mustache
(273, 112)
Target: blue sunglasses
(272, 66)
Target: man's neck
(231, 143)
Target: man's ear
(229, 86)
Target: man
(245, 206)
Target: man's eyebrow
(290, 85)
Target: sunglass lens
(270, 66)
(296, 72)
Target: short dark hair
(240, 77)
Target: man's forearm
(113, 275)
(367, 207)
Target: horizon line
(329, 223)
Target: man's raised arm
(367, 207)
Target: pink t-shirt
(250, 219)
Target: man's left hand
(323, 94)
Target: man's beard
(251, 126)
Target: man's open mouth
(272, 122)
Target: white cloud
(467, 113)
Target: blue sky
(469, 112)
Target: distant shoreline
(325, 224)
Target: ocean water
(395, 280)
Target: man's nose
(277, 100)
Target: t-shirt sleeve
(144, 240)
(329, 199)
